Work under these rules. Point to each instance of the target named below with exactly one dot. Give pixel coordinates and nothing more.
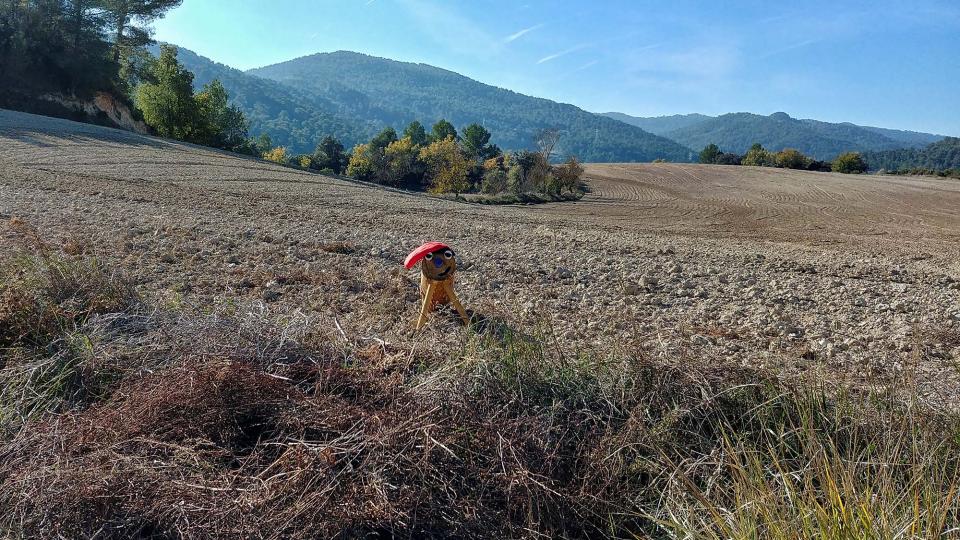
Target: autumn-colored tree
(360, 166)
(758, 156)
(447, 167)
(849, 163)
(568, 175)
(789, 158)
(276, 155)
(401, 158)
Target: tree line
(788, 158)
(444, 160)
(941, 158)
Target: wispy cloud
(446, 26)
(522, 33)
(588, 65)
(556, 55)
(787, 48)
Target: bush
(790, 158)
(758, 156)
(709, 154)
(276, 155)
(724, 158)
(494, 181)
(568, 176)
(849, 163)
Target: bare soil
(801, 273)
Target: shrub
(758, 156)
(276, 155)
(790, 158)
(724, 158)
(709, 154)
(494, 181)
(568, 175)
(849, 163)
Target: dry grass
(121, 421)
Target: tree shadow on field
(53, 139)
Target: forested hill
(736, 132)
(939, 156)
(660, 125)
(292, 117)
(386, 92)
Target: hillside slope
(388, 92)
(736, 132)
(659, 125)
(940, 155)
(292, 117)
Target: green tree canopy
(709, 153)
(443, 130)
(416, 133)
(383, 139)
(476, 143)
(329, 155)
(167, 104)
(222, 124)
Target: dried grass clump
(47, 302)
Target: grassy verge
(122, 421)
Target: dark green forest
(737, 132)
(295, 118)
(660, 125)
(939, 156)
(388, 93)
(74, 47)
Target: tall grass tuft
(48, 361)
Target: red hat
(419, 253)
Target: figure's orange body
(437, 267)
(440, 297)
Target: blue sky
(882, 62)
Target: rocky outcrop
(102, 104)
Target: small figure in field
(438, 263)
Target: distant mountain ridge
(352, 96)
(941, 155)
(659, 125)
(394, 93)
(736, 132)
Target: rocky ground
(853, 278)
